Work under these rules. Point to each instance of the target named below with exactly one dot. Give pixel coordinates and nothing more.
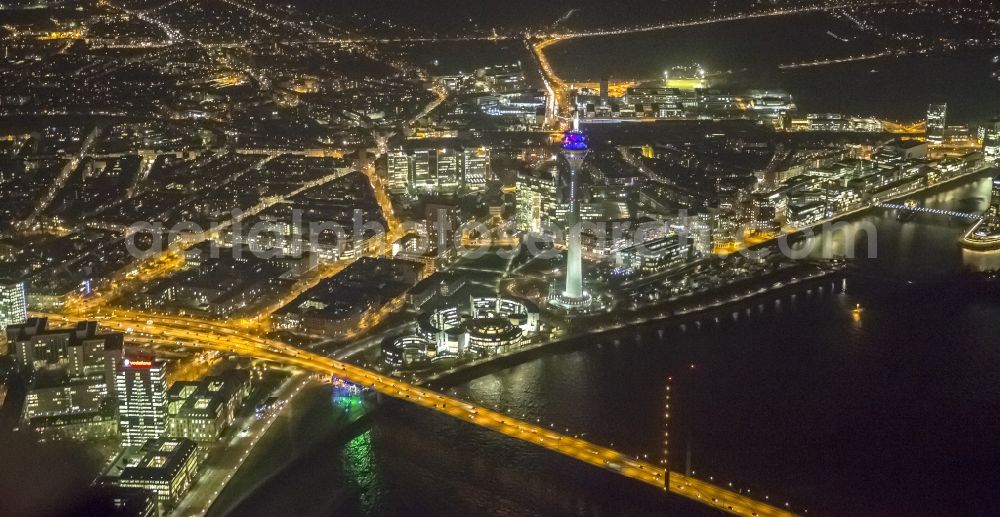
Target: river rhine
(890, 412)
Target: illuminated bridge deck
(217, 336)
(934, 211)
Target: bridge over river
(222, 337)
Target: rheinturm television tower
(574, 150)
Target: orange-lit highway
(219, 336)
(558, 94)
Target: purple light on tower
(574, 140)
(574, 150)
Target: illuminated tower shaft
(575, 151)
(574, 254)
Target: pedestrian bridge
(934, 211)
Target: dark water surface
(890, 412)
(747, 54)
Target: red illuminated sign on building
(138, 363)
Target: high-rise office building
(423, 175)
(475, 168)
(122, 502)
(202, 410)
(991, 140)
(991, 219)
(447, 177)
(81, 350)
(763, 210)
(142, 400)
(443, 223)
(994, 210)
(64, 399)
(72, 388)
(937, 121)
(13, 303)
(438, 171)
(535, 201)
(656, 255)
(398, 164)
(165, 466)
